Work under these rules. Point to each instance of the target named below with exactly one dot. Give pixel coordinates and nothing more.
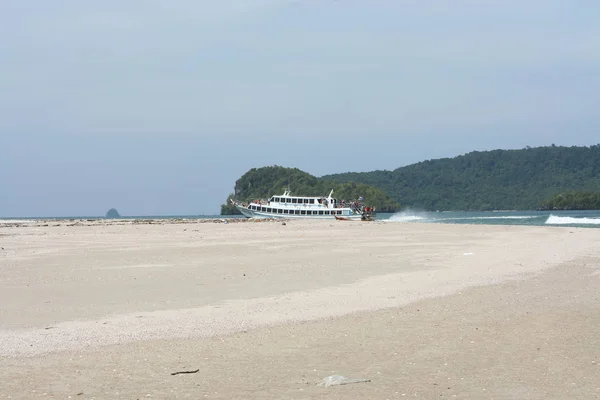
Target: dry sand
(90, 309)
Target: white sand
(71, 291)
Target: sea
(583, 219)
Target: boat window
(303, 212)
(320, 212)
(326, 212)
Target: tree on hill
(488, 180)
(112, 213)
(260, 183)
(573, 201)
(228, 209)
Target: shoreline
(56, 222)
(83, 307)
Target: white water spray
(408, 216)
(556, 220)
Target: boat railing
(356, 206)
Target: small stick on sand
(184, 372)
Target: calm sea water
(588, 219)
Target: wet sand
(265, 310)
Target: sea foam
(556, 220)
(406, 216)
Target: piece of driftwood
(185, 372)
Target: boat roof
(287, 193)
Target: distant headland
(525, 179)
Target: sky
(156, 107)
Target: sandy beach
(95, 309)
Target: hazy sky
(157, 107)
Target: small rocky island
(113, 213)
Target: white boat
(288, 206)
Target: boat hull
(261, 214)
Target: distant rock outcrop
(113, 213)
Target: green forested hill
(573, 201)
(263, 182)
(499, 179)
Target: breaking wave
(508, 217)
(491, 217)
(555, 220)
(412, 216)
(407, 216)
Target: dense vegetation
(489, 180)
(259, 183)
(573, 201)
